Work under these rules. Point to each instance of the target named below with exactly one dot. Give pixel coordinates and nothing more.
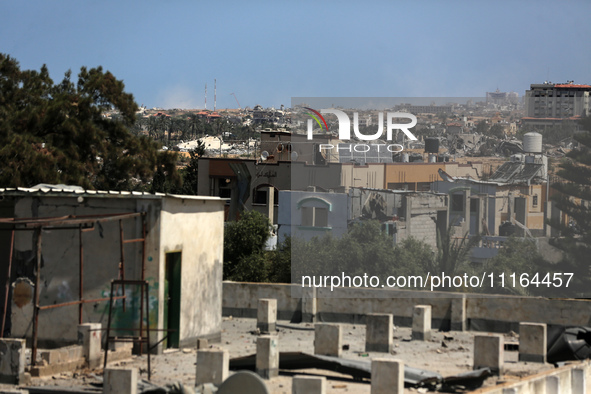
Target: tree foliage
(574, 199)
(58, 133)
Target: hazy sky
(268, 51)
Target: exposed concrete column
(378, 332)
(89, 337)
(407, 213)
(521, 211)
(458, 313)
(308, 385)
(491, 218)
(212, 366)
(532, 342)
(421, 323)
(12, 360)
(552, 385)
(271, 202)
(489, 352)
(120, 381)
(328, 339)
(466, 211)
(309, 304)
(267, 315)
(267, 358)
(481, 218)
(387, 376)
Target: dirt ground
(447, 353)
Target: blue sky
(267, 52)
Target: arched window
(260, 195)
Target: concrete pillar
(120, 381)
(532, 342)
(421, 323)
(387, 376)
(12, 360)
(378, 332)
(552, 385)
(489, 352)
(267, 358)
(267, 315)
(89, 337)
(521, 210)
(271, 203)
(328, 339)
(309, 304)
(466, 226)
(578, 384)
(308, 385)
(212, 366)
(458, 314)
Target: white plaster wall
(195, 227)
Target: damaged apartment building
(62, 246)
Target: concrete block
(458, 314)
(378, 332)
(308, 385)
(309, 305)
(212, 366)
(578, 383)
(552, 385)
(267, 358)
(89, 337)
(532, 342)
(489, 352)
(202, 343)
(387, 376)
(120, 381)
(421, 323)
(12, 360)
(267, 315)
(328, 339)
(62, 355)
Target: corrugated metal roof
(68, 190)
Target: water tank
(507, 229)
(532, 142)
(432, 145)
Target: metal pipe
(8, 273)
(36, 300)
(122, 263)
(45, 307)
(81, 277)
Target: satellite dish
(294, 156)
(264, 155)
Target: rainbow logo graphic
(316, 119)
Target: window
(535, 200)
(314, 217)
(457, 202)
(260, 195)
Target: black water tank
(432, 145)
(507, 229)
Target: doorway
(172, 299)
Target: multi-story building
(549, 104)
